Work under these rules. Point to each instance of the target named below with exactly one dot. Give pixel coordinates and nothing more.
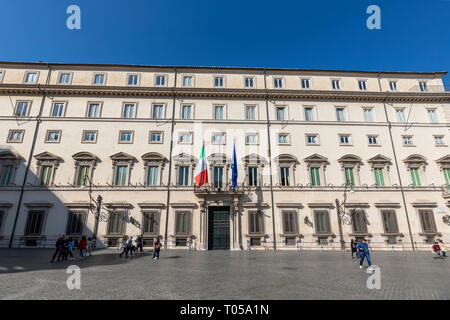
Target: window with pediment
(47, 165)
(380, 166)
(122, 165)
(316, 165)
(154, 165)
(416, 165)
(350, 166)
(9, 162)
(85, 163)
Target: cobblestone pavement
(27, 274)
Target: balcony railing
(211, 188)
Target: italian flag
(201, 171)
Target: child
(437, 250)
(442, 248)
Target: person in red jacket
(437, 250)
(82, 246)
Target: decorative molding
(424, 204)
(38, 204)
(387, 205)
(321, 205)
(151, 205)
(289, 205)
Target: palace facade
(323, 156)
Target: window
(251, 138)
(255, 222)
(2, 216)
(53, 136)
(432, 116)
(249, 82)
(218, 81)
(218, 177)
(345, 139)
(152, 176)
(22, 109)
(427, 221)
(84, 174)
(315, 176)
(219, 112)
(182, 223)
(46, 175)
(156, 137)
(6, 176)
(65, 78)
(423, 86)
(439, 140)
(389, 221)
(250, 112)
(252, 176)
(185, 137)
(187, 81)
(322, 222)
(340, 114)
(393, 85)
(368, 114)
(379, 178)
(158, 111)
(407, 140)
(446, 172)
(116, 223)
(336, 84)
(358, 221)
(31, 77)
(304, 83)
(362, 84)
(160, 81)
(309, 113)
(121, 176)
(284, 175)
(312, 139)
(415, 177)
(349, 176)
(289, 222)
(218, 138)
(15, 136)
(149, 225)
(89, 137)
(99, 78)
(126, 136)
(129, 110)
(400, 115)
(75, 223)
(281, 113)
(283, 138)
(58, 109)
(278, 83)
(373, 140)
(1, 75)
(186, 112)
(183, 175)
(93, 110)
(34, 222)
(133, 79)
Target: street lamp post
(98, 205)
(340, 210)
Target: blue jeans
(444, 253)
(365, 256)
(155, 254)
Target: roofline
(441, 73)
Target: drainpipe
(396, 161)
(170, 160)
(270, 162)
(30, 157)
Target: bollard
(248, 245)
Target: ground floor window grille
(255, 242)
(290, 241)
(180, 242)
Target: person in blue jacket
(363, 248)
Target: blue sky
(319, 34)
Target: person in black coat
(353, 247)
(58, 247)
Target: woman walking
(156, 248)
(124, 246)
(353, 247)
(70, 246)
(82, 246)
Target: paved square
(179, 274)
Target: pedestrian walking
(140, 243)
(442, 249)
(156, 248)
(82, 246)
(70, 246)
(89, 246)
(130, 247)
(437, 250)
(353, 247)
(58, 247)
(363, 248)
(124, 247)
(65, 249)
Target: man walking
(363, 248)
(139, 244)
(58, 247)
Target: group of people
(130, 246)
(65, 245)
(439, 250)
(362, 251)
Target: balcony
(225, 190)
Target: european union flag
(234, 173)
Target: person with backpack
(58, 247)
(363, 248)
(156, 248)
(82, 246)
(353, 247)
(442, 249)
